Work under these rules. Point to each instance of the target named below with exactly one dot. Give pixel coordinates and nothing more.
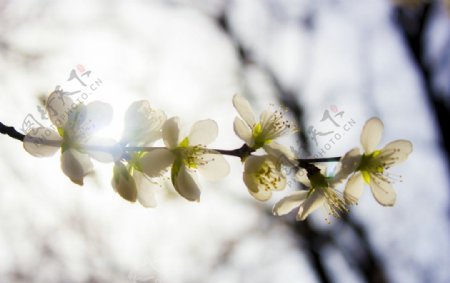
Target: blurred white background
(329, 55)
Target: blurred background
(332, 63)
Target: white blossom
(321, 192)
(73, 133)
(185, 156)
(371, 166)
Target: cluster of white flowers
(139, 166)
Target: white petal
(244, 109)
(76, 165)
(302, 177)
(58, 106)
(283, 154)
(156, 161)
(371, 134)
(203, 132)
(186, 185)
(354, 189)
(313, 202)
(215, 168)
(145, 190)
(93, 117)
(142, 124)
(171, 132)
(397, 151)
(96, 149)
(123, 183)
(382, 191)
(348, 164)
(261, 194)
(42, 142)
(243, 131)
(287, 204)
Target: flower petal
(382, 191)
(215, 168)
(354, 188)
(186, 185)
(244, 109)
(283, 154)
(243, 131)
(42, 142)
(93, 117)
(171, 132)
(123, 183)
(262, 194)
(97, 149)
(396, 151)
(156, 161)
(58, 106)
(76, 165)
(371, 134)
(145, 190)
(302, 177)
(313, 202)
(142, 124)
(203, 132)
(287, 204)
(348, 164)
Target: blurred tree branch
(312, 240)
(412, 24)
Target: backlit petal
(203, 132)
(58, 106)
(348, 164)
(243, 131)
(383, 192)
(244, 109)
(282, 153)
(76, 165)
(396, 151)
(215, 168)
(42, 142)
(142, 124)
(371, 134)
(313, 202)
(171, 132)
(354, 189)
(287, 204)
(123, 183)
(153, 163)
(95, 116)
(186, 185)
(146, 190)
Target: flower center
(272, 126)
(268, 176)
(193, 156)
(375, 165)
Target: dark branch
(10, 131)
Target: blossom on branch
(143, 125)
(75, 127)
(321, 192)
(185, 156)
(261, 134)
(371, 166)
(262, 175)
